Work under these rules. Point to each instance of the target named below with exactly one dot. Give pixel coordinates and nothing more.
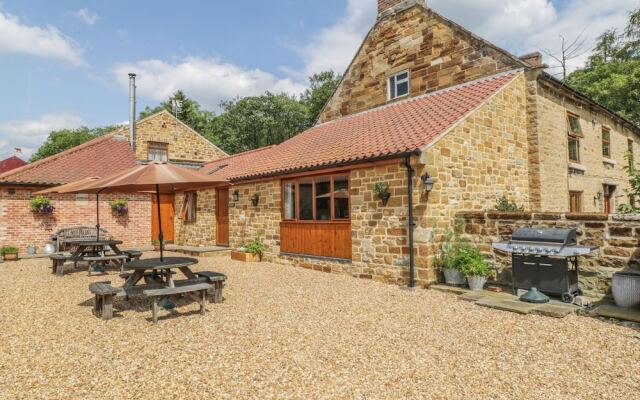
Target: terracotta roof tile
(11, 163)
(102, 156)
(386, 131)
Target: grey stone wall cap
(400, 7)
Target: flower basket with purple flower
(41, 205)
(119, 206)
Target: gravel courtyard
(286, 332)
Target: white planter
(476, 283)
(453, 276)
(49, 248)
(626, 289)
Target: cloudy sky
(65, 64)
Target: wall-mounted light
(427, 181)
(255, 199)
(236, 195)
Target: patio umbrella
(155, 177)
(69, 187)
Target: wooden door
(167, 211)
(608, 196)
(222, 217)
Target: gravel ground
(286, 332)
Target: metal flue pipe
(132, 110)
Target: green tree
(258, 121)
(321, 88)
(61, 140)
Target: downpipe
(410, 172)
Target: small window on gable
(189, 205)
(157, 151)
(606, 142)
(574, 125)
(398, 85)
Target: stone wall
(436, 52)
(184, 143)
(558, 176)
(202, 231)
(617, 236)
(22, 227)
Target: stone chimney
(388, 7)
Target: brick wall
(617, 236)
(437, 55)
(21, 227)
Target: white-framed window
(398, 85)
(157, 151)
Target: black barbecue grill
(547, 259)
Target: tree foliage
(321, 88)
(612, 75)
(64, 139)
(189, 112)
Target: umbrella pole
(98, 216)
(160, 236)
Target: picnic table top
(155, 263)
(96, 242)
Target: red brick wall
(19, 226)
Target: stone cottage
(448, 122)
(160, 137)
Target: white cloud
(519, 26)
(29, 134)
(49, 42)
(207, 80)
(87, 16)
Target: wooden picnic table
(160, 269)
(95, 247)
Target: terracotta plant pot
(245, 257)
(156, 247)
(10, 257)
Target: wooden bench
(132, 255)
(66, 235)
(104, 294)
(58, 262)
(216, 279)
(198, 292)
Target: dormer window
(398, 85)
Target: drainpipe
(412, 272)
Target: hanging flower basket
(120, 207)
(381, 190)
(41, 205)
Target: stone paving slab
(519, 307)
(449, 289)
(613, 311)
(555, 310)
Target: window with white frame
(398, 85)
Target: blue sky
(65, 63)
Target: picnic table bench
(104, 294)
(198, 292)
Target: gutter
(411, 224)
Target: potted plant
(32, 249)
(448, 256)
(41, 205)
(381, 190)
(625, 288)
(250, 252)
(9, 253)
(475, 268)
(156, 245)
(119, 206)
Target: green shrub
(155, 242)
(8, 250)
(476, 267)
(254, 247)
(503, 204)
(380, 189)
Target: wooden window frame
(296, 180)
(606, 143)
(573, 137)
(157, 146)
(630, 153)
(570, 131)
(395, 84)
(189, 197)
(578, 196)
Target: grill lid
(557, 236)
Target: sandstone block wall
(557, 175)
(617, 236)
(22, 227)
(436, 54)
(202, 231)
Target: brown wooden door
(608, 196)
(167, 211)
(222, 217)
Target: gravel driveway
(286, 332)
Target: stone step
(613, 311)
